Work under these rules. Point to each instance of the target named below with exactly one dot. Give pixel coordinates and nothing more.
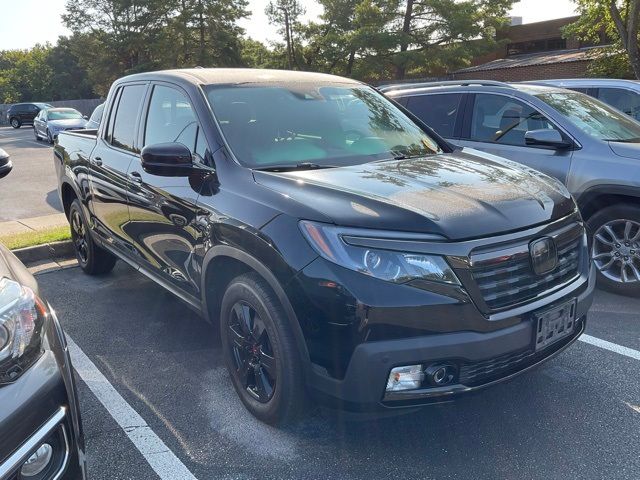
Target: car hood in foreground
(623, 149)
(68, 123)
(458, 195)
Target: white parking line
(155, 452)
(613, 347)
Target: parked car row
(369, 254)
(48, 121)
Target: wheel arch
(67, 194)
(232, 262)
(602, 196)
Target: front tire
(260, 351)
(93, 259)
(15, 123)
(35, 132)
(49, 137)
(615, 248)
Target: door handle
(135, 177)
(97, 161)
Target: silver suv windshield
(309, 126)
(593, 117)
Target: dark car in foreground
(24, 113)
(589, 146)
(341, 248)
(40, 429)
(51, 121)
(5, 163)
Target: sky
(46, 25)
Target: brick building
(534, 51)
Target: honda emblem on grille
(544, 255)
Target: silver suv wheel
(616, 250)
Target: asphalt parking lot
(576, 417)
(30, 190)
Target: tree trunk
(404, 42)
(352, 57)
(628, 32)
(201, 28)
(288, 36)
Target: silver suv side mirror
(546, 137)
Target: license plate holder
(554, 324)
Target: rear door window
(126, 117)
(624, 100)
(439, 111)
(505, 120)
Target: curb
(48, 251)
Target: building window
(534, 46)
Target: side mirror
(5, 164)
(546, 137)
(167, 159)
(85, 117)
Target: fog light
(405, 378)
(38, 461)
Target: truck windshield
(310, 125)
(63, 114)
(593, 117)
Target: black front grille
(512, 281)
(479, 373)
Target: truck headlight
(22, 317)
(389, 265)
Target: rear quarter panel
(71, 156)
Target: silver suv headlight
(22, 317)
(389, 265)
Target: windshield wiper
(406, 156)
(288, 167)
(623, 140)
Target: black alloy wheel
(92, 258)
(79, 237)
(254, 360)
(260, 351)
(15, 123)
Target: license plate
(554, 324)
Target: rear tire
(615, 250)
(15, 122)
(93, 259)
(260, 351)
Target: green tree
(286, 14)
(618, 20)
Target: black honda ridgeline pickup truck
(342, 248)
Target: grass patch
(29, 239)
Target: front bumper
(41, 406)
(486, 357)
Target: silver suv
(590, 147)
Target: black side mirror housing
(546, 137)
(5, 164)
(167, 159)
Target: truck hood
(458, 195)
(628, 150)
